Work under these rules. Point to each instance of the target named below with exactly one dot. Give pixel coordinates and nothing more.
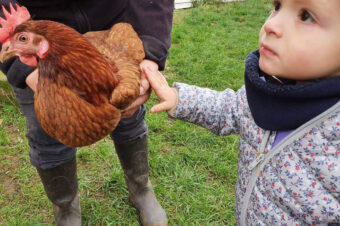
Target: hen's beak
(6, 52)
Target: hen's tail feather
(120, 41)
(123, 48)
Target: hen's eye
(306, 17)
(23, 38)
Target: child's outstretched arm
(222, 112)
(165, 93)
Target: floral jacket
(295, 183)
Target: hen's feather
(70, 119)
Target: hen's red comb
(12, 19)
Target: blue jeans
(46, 152)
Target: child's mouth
(266, 51)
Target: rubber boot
(61, 187)
(134, 160)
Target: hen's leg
(133, 155)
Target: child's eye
(306, 17)
(277, 5)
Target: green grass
(193, 171)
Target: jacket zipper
(259, 158)
(262, 159)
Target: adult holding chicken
(55, 162)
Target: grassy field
(192, 170)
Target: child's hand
(167, 95)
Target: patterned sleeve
(221, 112)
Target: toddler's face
(301, 39)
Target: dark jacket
(152, 20)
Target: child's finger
(164, 106)
(148, 73)
(155, 78)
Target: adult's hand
(144, 89)
(32, 80)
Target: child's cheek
(266, 66)
(261, 36)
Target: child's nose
(274, 25)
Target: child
(287, 114)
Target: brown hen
(84, 81)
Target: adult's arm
(152, 20)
